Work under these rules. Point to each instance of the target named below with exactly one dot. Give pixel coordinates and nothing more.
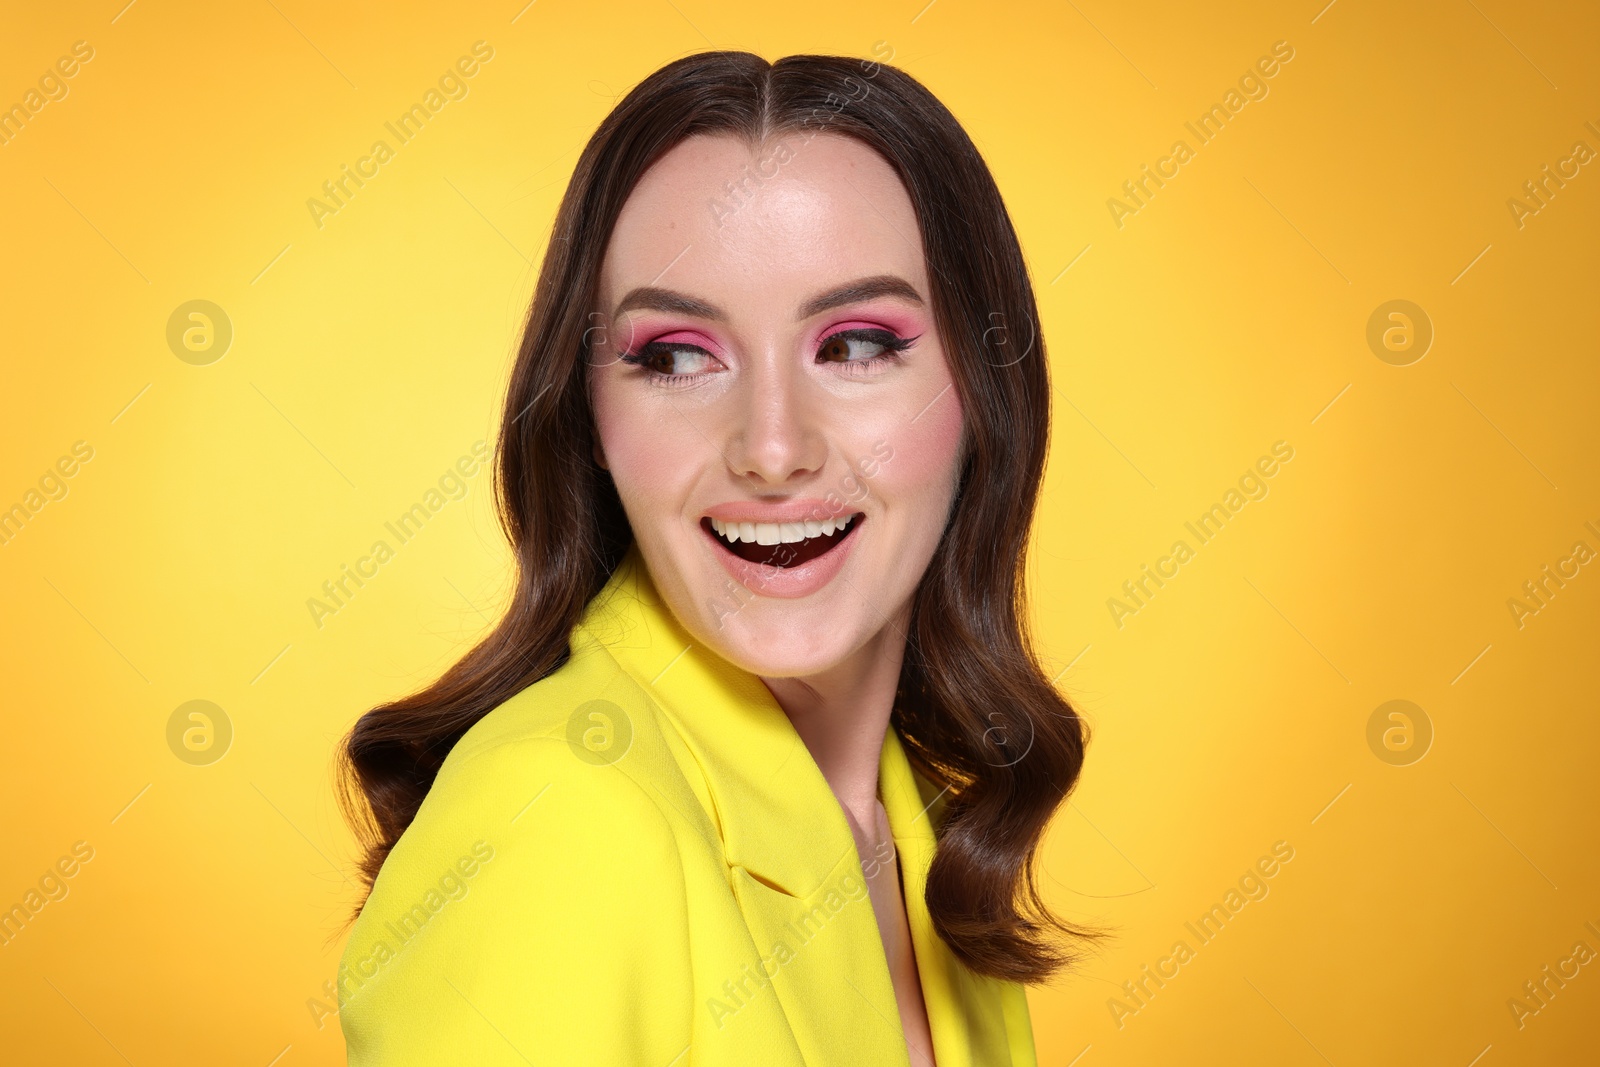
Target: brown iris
(837, 350)
(662, 361)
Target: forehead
(763, 227)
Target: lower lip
(786, 583)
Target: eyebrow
(862, 289)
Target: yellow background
(1229, 313)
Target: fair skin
(773, 368)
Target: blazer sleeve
(533, 913)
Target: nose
(778, 436)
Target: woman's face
(766, 368)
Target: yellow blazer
(636, 861)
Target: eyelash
(891, 344)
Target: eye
(862, 346)
(666, 359)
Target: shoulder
(539, 862)
(588, 714)
(571, 756)
(548, 707)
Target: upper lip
(815, 510)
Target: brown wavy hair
(976, 712)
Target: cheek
(645, 447)
(921, 471)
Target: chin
(781, 624)
(783, 639)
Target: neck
(843, 713)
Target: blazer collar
(761, 777)
(777, 816)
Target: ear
(600, 454)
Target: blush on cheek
(918, 458)
(641, 447)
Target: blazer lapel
(792, 862)
(965, 1013)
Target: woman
(770, 452)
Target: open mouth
(781, 544)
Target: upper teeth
(780, 533)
